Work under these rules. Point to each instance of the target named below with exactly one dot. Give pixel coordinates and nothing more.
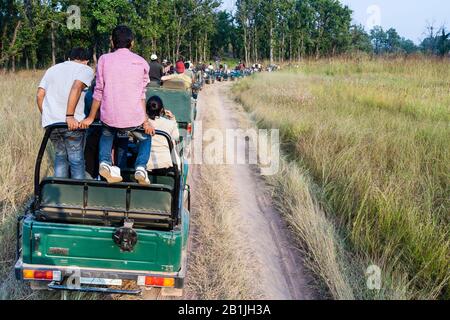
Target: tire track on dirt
(280, 271)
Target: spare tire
(125, 238)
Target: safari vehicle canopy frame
(158, 217)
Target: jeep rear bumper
(102, 279)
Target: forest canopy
(38, 33)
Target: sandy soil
(280, 272)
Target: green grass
(374, 136)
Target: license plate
(101, 282)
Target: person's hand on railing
(148, 128)
(86, 123)
(72, 123)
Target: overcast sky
(409, 17)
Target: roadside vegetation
(20, 137)
(367, 166)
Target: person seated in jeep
(163, 120)
(188, 71)
(179, 79)
(156, 71)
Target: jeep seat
(97, 203)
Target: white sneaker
(110, 173)
(141, 176)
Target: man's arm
(99, 81)
(97, 96)
(74, 98)
(169, 77)
(40, 96)
(86, 123)
(146, 80)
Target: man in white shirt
(60, 99)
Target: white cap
(154, 57)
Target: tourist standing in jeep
(60, 99)
(122, 79)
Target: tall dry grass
(20, 137)
(374, 137)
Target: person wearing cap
(156, 71)
(178, 77)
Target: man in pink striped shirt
(122, 78)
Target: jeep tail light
(44, 275)
(156, 282)
(189, 128)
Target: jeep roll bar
(175, 168)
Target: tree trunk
(290, 49)
(153, 44)
(271, 42)
(196, 52)
(190, 46)
(12, 44)
(168, 48)
(178, 44)
(256, 44)
(13, 63)
(246, 46)
(33, 58)
(2, 49)
(52, 26)
(94, 54)
(204, 46)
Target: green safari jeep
(90, 236)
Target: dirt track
(279, 269)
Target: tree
(222, 41)
(393, 41)
(408, 46)
(379, 39)
(34, 33)
(436, 43)
(360, 39)
(443, 43)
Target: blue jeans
(69, 153)
(106, 143)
